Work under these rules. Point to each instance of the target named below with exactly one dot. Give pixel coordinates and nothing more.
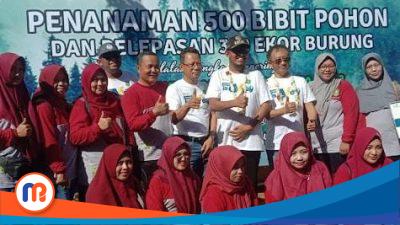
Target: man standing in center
(146, 113)
(241, 98)
(292, 95)
(190, 112)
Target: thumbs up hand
(24, 129)
(290, 107)
(160, 108)
(241, 100)
(194, 102)
(104, 122)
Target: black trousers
(331, 160)
(252, 161)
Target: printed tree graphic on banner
(4, 46)
(202, 6)
(302, 4)
(167, 60)
(303, 60)
(129, 60)
(51, 59)
(388, 49)
(75, 89)
(30, 79)
(163, 5)
(189, 6)
(267, 4)
(89, 60)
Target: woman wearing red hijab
(114, 183)
(366, 155)
(174, 187)
(96, 120)
(17, 138)
(297, 172)
(53, 113)
(225, 185)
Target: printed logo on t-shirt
(235, 88)
(275, 94)
(225, 86)
(280, 94)
(290, 92)
(187, 98)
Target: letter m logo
(34, 190)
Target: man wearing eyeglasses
(190, 114)
(290, 95)
(110, 60)
(241, 98)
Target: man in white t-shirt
(241, 98)
(291, 94)
(110, 60)
(190, 113)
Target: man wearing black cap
(110, 60)
(241, 98)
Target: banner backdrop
(69, 33)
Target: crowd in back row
(137, 142)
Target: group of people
(134, 141)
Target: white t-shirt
(196, 121)
(227, 86)
(297, 90)
(121, 84)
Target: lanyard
(291, 91)
(234, 88)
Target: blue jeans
(62, 192)
(196, 161)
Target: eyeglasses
(370, 67)
(326, 67)
(192, 65)
(280, 60)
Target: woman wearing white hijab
(338, 113)
(376, 93)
